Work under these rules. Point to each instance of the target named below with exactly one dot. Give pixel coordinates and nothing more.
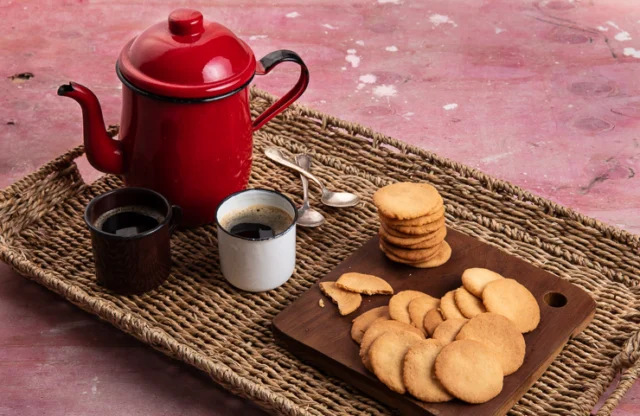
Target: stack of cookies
(412, 225)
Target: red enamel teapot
(186, 128)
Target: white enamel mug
(257, 264)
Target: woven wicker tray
(198, 318)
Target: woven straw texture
(198, 318)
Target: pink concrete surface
(544, 94)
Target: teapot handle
(264, 66)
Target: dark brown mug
(131, 230)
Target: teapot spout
(103, 152)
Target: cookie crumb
(321, 303)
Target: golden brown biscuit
(407, 240)
(419, 307)
(420, 229)
(406, 200)
(468, 304)
(347, 301)
(398, 234)
(386, 356)
(378, 328)
(500, 335)
(365, 320)
(475, 279)
(446, 332)
(440, 258)
(399, 304)
(449, 308)
(426, 219)
(419, 374)
(470, 371)
(509, 298)
(364, 283)
(438, 238)
(432, 319)
(414, 256)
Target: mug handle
(176, 218)
(264, 66)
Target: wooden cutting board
(321, 337)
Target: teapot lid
(187, 57)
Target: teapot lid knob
(186, 22)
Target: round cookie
(447, 331)
(419, 375)
(386, 356)
(427, 241)
(419, 307)
(414, 256)
(475, 279)
(440, 258)
(406, 200)
(438, 238)
(396, 233)
(399, 304)
(509, 298)
(426, 219)
(500, 335)
(378, 328)
(470, 371)
(468, 304)
(432, 320)
(449, 308)
(421, 229)
(364, 283)
(365, 320)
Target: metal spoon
(307, 216)
(332, 199)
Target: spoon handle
(304, 161)
(276, 155)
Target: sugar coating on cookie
(406, 200)
(378, 328)
(468, 304)
(432, 320)
(500, 335)
(449, 308)
(419, 307)
(476, 278)
(509, 298)
(470, 371)
(365, 320)
(386, 356)
(419, 374)
(399, 305)
(447, 331)
(347, 301)
(364, 283)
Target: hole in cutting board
(555, 299)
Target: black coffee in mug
(128, 221)
(257, 222)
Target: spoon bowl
(330, 198)
(339, 199)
